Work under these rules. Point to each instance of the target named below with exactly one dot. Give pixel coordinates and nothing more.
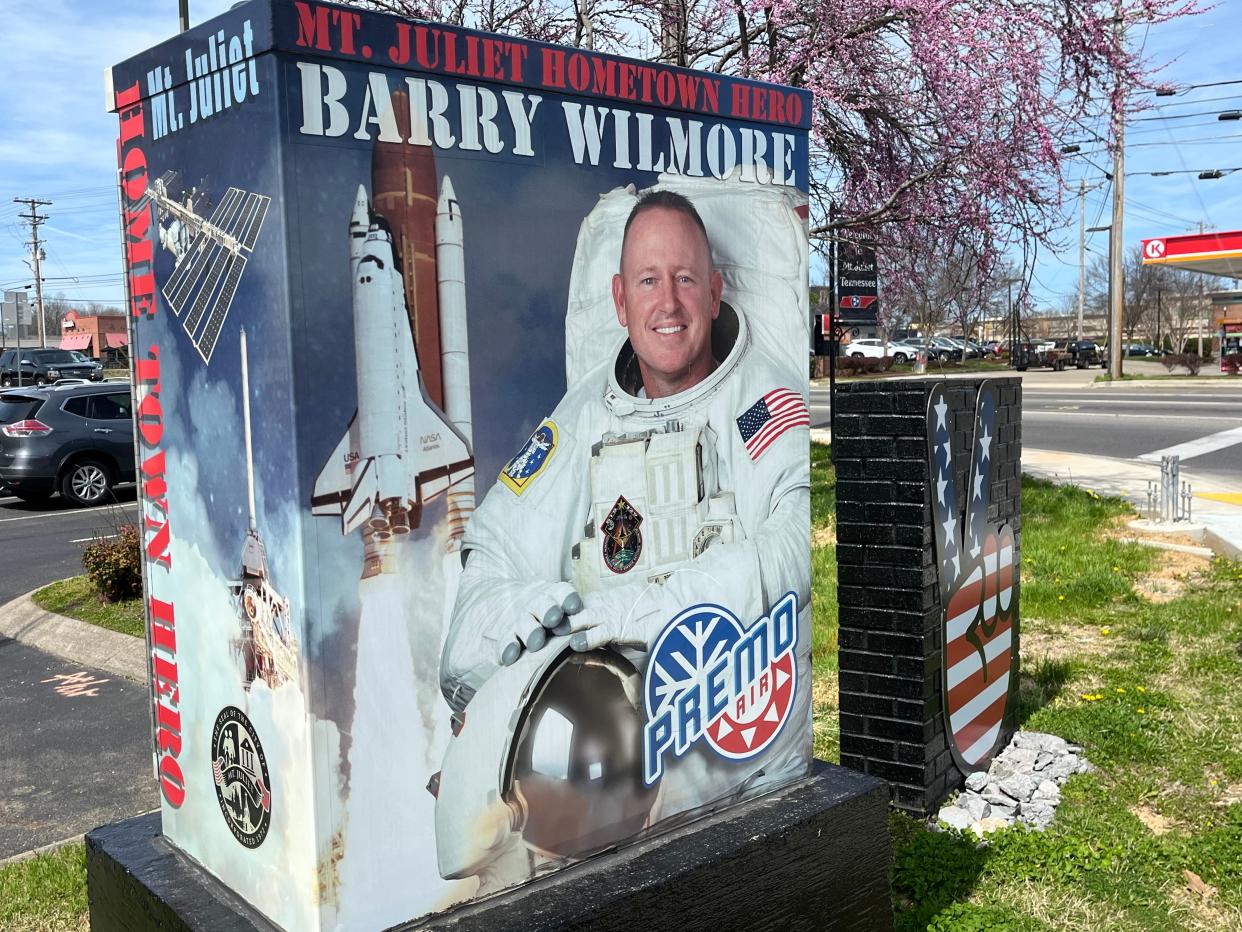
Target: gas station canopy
(1213, 253)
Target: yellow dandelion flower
(1141, 689)
(1116, 569)
(1140, 711)
(1106, 631)
(1121, 689)
(1060, 598)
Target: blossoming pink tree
(935, 120)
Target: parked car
(76, 439)
(865, 347)
(1040, 353)
(41, 366)
(1082, 354)
(902, 351)
(1141, 349)
(973, 349)
(947, 349)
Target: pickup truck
(1083, 354)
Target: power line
(1191, 103)
(1186, 88)
(1174, 116)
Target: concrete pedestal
(813, 856)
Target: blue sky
(57, 142)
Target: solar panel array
(205, 280)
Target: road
(1200, 422)
(74, 741)
(42, 543)
(75, 749)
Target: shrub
(114, 565)
(855, 365)
(1190, 361)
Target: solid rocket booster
(403, 190)
(454, 345)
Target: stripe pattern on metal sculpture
(976, 564)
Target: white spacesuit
(641, 541)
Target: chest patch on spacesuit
(532, 459)
(769, 417)
(623, 541)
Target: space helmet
(546, 756)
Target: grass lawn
(1136, 654)
(1141, 377)
(934, 367)
(76, 598)
(1150, 685)
(45, 894)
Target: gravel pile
(1023, 784)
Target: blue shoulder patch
(532, 459)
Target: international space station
(410, 440)
(209, 254)
(266, 645)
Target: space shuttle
(400, 450)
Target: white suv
(877, 349)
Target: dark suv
(41, 366)
(77, 439)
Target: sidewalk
(1217, 506)
(73, 640)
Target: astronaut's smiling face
(666, 295)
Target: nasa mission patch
(710, 679)
(532, 459)
(239, 769)
(622, 537)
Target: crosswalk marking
(1192, 448)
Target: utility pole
(1199, 306)
(1082, 249)
(1159, 314)
(34, 218)
(1116, 279)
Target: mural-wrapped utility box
(472, 421)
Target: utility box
(474, 546)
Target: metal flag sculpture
(977, 567)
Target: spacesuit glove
(542, 612)
(623, 617)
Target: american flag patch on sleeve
(769, 417)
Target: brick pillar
(891, 621)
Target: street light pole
(1013, 331)
(1116, 280)
(1082, 249)
(1159, 313)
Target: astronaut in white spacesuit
(675, 474)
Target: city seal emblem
(239, 769)
(622, 539)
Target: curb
(42, 849)
(1222, 545)
(73, 640)
(1171, 383)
